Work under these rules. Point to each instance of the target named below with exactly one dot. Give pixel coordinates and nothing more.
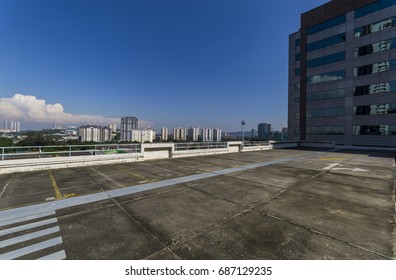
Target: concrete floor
(293, 204)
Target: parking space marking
(31, 249)
(58, 194)
(16, 236)
(29, 236)
(145, 180)
(61, 255)
(28, 226)
(107, 177)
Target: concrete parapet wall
(25, 165)
(148, 152)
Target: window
(297, 72)
(330, 41)
(296, 116)
(328, 59)
(326, 112)
(325, 130)
(298, 42)
(374, 27)
(379, 67)
(376, 109)
(326, 77)
(326, 24)
(375, 48)
(297, 57)
(324, 95)
(374, 7)
(374, 88)
(384, 129)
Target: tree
(5, 142)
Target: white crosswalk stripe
(34, 234)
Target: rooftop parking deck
(276, 204)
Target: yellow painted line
(141, 177)
(58, 194)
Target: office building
(94, 133)
(263, 130)
(179, 134)
(164, 134)
(127, 124)
(342, 74)
(193, 133)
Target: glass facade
(297, 57)
(324, 95)
(326, 77)
(330, 41)
(376, 109)
(297, 71)
(297, 116)
(384, 129)
(374, 7)
(374, 88)
(326, 24)
(325, 130)
(375, 48)
(298, 42)
(328, 59)
(379, 67)
(326, 112)
(374, 27)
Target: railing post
(70, 151)
(95, 150)
(39, 154)
(2, 153)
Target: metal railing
(26, 152)
(200, 146)
(255, 143)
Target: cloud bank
(29, 109)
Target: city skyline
(89, 62)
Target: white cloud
(27, 108)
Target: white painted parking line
(61, 255)
(6, 220)
(28, 226)
(31, 249)
(29, 236)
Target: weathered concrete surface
(316, 204)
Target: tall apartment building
(217, 134)
(342, 74)
(164, 134)
(142, 135)
(93, 133)
(207, 135)
(179, 134)
(263, 130)
(127, 124)
(193, 133)
(12, 126)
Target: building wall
(327, 105)
(164, 134)
(95, 134)
(179, 134)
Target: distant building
(164, 134)
(253, 133)
(94, 133)
(127, 124)
(264, 130)
(13, 126)
(193, 133)
(217, 134)
(113, 127)
(142, 135)
(179, 134)
(207, 135)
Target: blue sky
(171, 63)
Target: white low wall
(148, 152)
